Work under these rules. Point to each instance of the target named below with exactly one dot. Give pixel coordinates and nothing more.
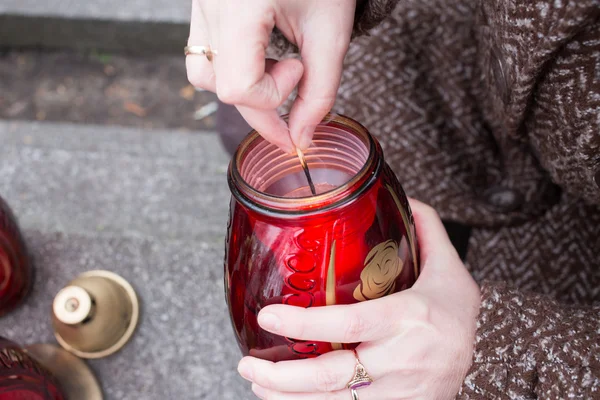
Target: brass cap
(95, 314)
(72, 305)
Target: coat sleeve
(529, 346)
(369, 13)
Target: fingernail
(259, 391)
(305, 137)
(269, 322)
(284, 143)
(245, 370)
(287, 149)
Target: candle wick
(306, 171)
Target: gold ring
(200, 50)
(354, 395)
(361, 378)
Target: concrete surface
(131, 10)
(135, 26)
(150, 206)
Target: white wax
(304, 191)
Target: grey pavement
(134, 25)
(150, 206)
(131, 10)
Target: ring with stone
(206, 51)
(360, 379)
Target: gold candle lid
(95, 314)
(76, 379)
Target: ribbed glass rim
(239, 184)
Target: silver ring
(354, 394)
(361, 378)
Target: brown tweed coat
(489, 110)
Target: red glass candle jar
(354, 241)
(15, 266)
(21, 377)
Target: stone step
(150, 206)
(138, 26)
(109, 180)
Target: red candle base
(16, 273)
(23, 378)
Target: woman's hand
(416, 344)
(239, 31)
